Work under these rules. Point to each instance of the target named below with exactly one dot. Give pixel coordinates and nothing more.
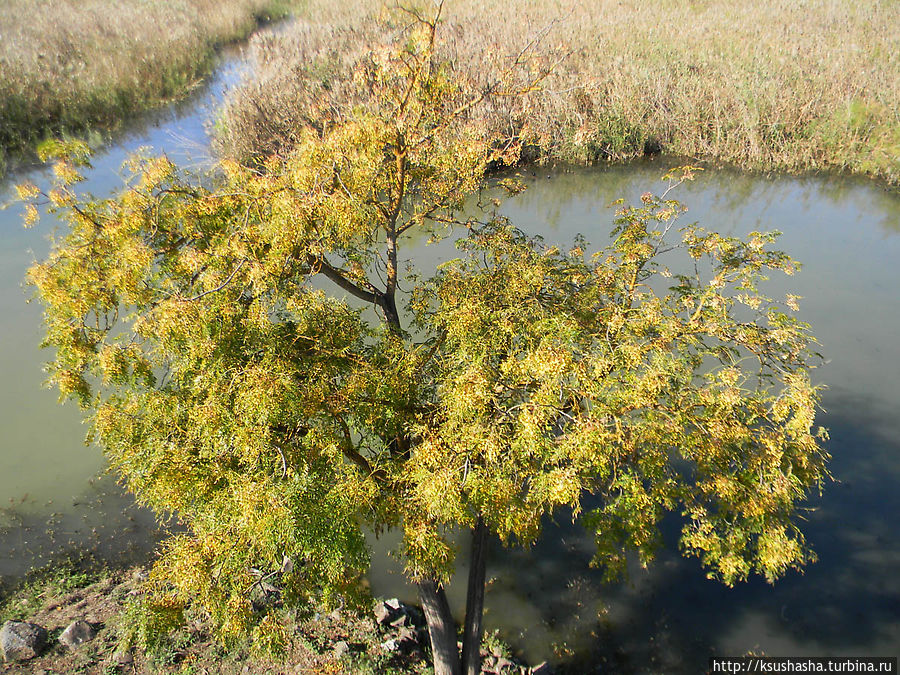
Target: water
(52, 491)
(547, 601)
(671, 618)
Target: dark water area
(671, 618)
(547, 601)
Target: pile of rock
(404, 626)
(22, 640)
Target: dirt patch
(340, 641)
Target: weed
(75, 65)
(51, 581)
(765, 85)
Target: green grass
(51, 581)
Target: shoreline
(52, 93)
(99, 607)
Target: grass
(110, 600)
(59, 578)
(768, 85)
(67, 66)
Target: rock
(20, 640)
(341, 648)
(504, 665)
(393, 604)
(77, 633)
(542, 669)
(383, 613)
(123, 657)
(391, 645)
(400, 622)
(408, 635)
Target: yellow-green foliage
(767, 85)
(279, 421)
(68, 65)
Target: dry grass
(774, 84)
(68, 65)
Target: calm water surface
(547, 601)
(671, 618)
(53, 492)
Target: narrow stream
(53, 491)
(547, 601)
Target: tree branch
(217, 288)
(351, 453)
(373, 296)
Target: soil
(326, 644)
(392, 639)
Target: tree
(279, 422)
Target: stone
(504, 665)
(400, 622)
(384, 614)
(123, 657)
(76, 634)
(542, 669)
(391, 645)
(407, 635)
(341, 648)
(20, 640)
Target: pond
(53, 492)
(671, 618)
(547, 601)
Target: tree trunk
(441, 628)
(473, 628)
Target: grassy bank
(317, 641)
(67, 66)
(770, 85)
(107, 599)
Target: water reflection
(670, 617)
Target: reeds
(71, 65)
(774, 84)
